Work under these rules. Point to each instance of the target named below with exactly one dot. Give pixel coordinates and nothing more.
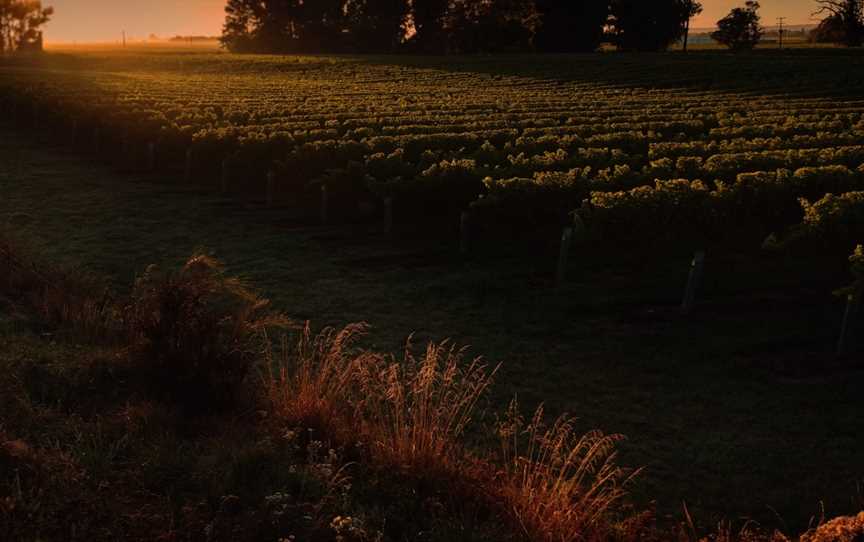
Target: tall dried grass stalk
(311, 384)
(70, 299)
(417, 409)
(563, 485)
(413, 413)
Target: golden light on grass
(412, 414)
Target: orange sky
(104, 20)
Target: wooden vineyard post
(187, 174)
(388, 215)
(73, 132)
(124, 149)
(843, 345)
(271, 188)
(325, 205)
(151, 157)
(97, 140)
(464, 233)
(226, 176)
(34, 123)
(564, 256)
(697, 267)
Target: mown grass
(728, 410)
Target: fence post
(271, 188)
(97, 139)
(843, 345)
(34, 123)
(226, 176)
(124, 157)
(187, 174)
(697, 267)
(325, 205)
(564, 256)
(151, 157)
(73, 135)
(465, 233)
(388, 215)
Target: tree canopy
(638, 25)
(20, 21)
(848, 16)
(569, 26)
(741, 29)
(831, 29)
(454, 26)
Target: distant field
(737, 408)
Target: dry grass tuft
(409, 413)
(69, 299)
(413, 414)
(563, 486)
(311, 384)
(416, 410)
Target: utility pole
(780, 32)
(124, 39)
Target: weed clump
(62, 299)
(196, 331)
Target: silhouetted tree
(320, 25)
(490, 25)
(567, 26)
(376, 26)
(693, 8)
(427, 21)
(20, 21)
(830, 30)
(851, 16)
(283, 26)
(638, 25)
(242, 24)
(740, 30)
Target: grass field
(740, 409)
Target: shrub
(196, 331)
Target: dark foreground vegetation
(133, 417)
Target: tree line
(476, 26)
(453, 26)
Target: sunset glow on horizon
(106, 20)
